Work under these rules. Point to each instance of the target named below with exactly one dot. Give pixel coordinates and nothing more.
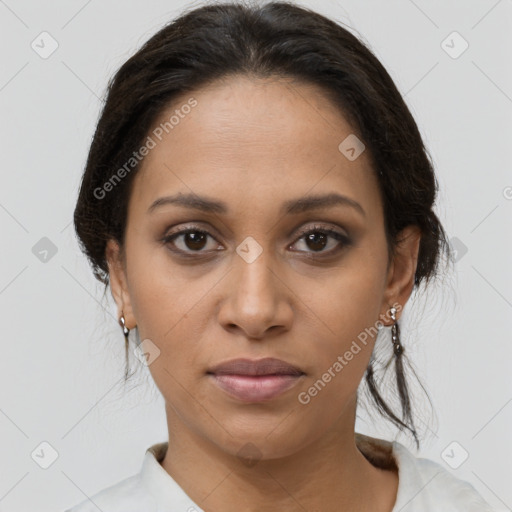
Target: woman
(259, 199)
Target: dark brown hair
(276, 39)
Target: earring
(397, 346)
(126, 332)
(122, 323)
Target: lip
(255, 380)
(265, 366)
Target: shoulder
(132, 494)
(425, 485)
(127, 495)
(151, 490)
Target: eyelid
(302, 231)
(317, 227)
(191, 226)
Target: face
(247, 265)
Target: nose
(256, 298)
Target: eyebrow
(292, 206)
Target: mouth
(255, 380)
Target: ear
(119, 282)
(400, 279)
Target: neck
(328, 474)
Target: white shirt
(423, 486)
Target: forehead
(243, 137)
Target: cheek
(347, 303)
(160, 293)
(165, 305)
(343, 328)
(172, 309)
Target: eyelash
(168, 239)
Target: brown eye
(189, 241)
(194, 240)
(317, 239)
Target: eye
(193, 239)
(317, 239)
(189, 240)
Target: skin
(253, 144)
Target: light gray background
(62, 353)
